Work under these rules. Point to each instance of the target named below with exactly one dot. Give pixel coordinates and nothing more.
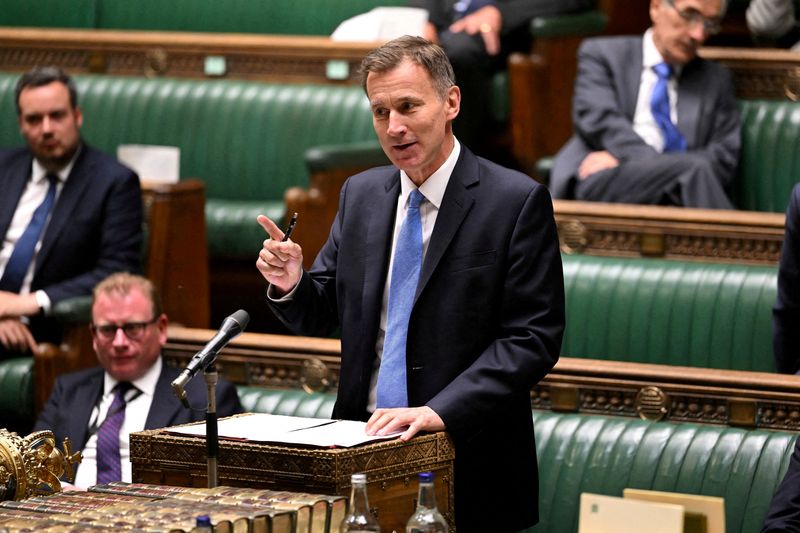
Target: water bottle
(427, 518)
(358, 518)
(203, 524)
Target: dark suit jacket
(486, 324)
(786, 312)
(604, 103)
(74, 396)
(784, 511)
(95, 228)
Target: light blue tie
(391, 388)
(659, 105)
(21, 257)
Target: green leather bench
(244, 140)
(16, 394)
(709, 315)
(592, 453)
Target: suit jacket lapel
(72, 192)
(456, 203)
(633, 76)
(12, 183)
(690, 91)
(84, 401)
(380, 225)
(165, 406)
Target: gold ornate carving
(573, 236)
(31, 466)
(652, 403)
(157, 62)
(314, 377)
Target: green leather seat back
(286, 402)
(244, 140)
(669, 312)
(16, 393)
(309, 17)
(770, 160)
(604, 455)
(49, 13)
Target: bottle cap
(426, 477)
(203, 520)
(358, 478)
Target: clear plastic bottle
(427, 518)
(359, 518)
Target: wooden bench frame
(654, 392)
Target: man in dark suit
(654, 124)
(69, 215)
(786, 312)
(129, 329)
(443, 273)
(478, 36)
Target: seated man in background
(478, 36)
(786, 312)
(774, 23)
(653, 123)
(69, 215)
(131, 391)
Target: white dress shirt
(136, 410)
(643, 122)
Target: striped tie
(109, 465)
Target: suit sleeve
(721, 149)
(120, 240)
(50, 417)
(518, 13)
(529, 330)
(784, 510)
(597, 113)
(227, 399)
(786, 311)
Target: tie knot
(51, 178)
(415, 199)
(663, 70)
(121, 388)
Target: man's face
(125, 358)
(677, 38)
(412, 123)
(50, 124)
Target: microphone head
(241, 319)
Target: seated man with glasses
(653, 123)
(131, 390)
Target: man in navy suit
(786, 311)
(487, 316)
(129, 328)
(619, 151)
(93, 226)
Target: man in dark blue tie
(653, 123)
(69, 215)
(443, 274)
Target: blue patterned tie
(109, 464)
(21, 257)
(659, 105)
(391, 388)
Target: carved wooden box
(160, 457)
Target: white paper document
(159, 164)
(382, 24)
(260, 427)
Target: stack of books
(158, 508)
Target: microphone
(230, 329)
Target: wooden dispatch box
(164, 458)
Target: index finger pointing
(274, 232)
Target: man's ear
(453, 102)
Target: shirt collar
(652, 57)
(434, 187)
(146, 383)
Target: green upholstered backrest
(309, 17)
(16, 393)
(669, 312)
(49, 13)
(244, 140)
(604, 455)
(286, 402)
(770, 159)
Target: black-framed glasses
(692, 17)
(132, 330)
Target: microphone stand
(212, 433)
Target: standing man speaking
(443, 273)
